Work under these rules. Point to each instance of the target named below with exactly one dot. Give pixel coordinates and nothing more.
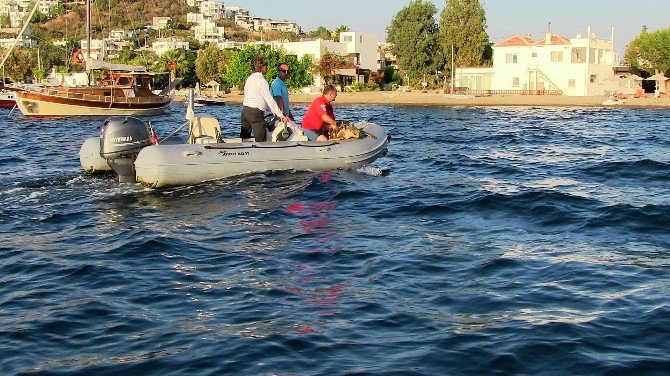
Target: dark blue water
(503, 241)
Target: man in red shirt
(319, 117)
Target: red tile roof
(555, 39)
(518, 40)
(515, 40)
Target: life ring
(78, 56)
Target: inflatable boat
(128, 146)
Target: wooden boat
(126, 90)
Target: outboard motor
(121, 139)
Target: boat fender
(78, 57)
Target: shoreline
(434, 98)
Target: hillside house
(162, 45)
(361, 48)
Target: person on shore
(257, 99)
(280, 90)
(320, 118)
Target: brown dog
(344, 131)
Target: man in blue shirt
(280, 90)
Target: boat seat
(204, 130)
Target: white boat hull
(41, 108)
(186, 164)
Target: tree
(330, 61)
(414, 36)
(19, 65)
(463, 25)
(650, 52)
(239, 66)
(4, 20)
(320, 32)
(211, 63)
(185, 65)
(338, 31)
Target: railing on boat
(95, 97)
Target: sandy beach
(434, 98)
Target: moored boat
(209, 101)
(126, 90)
(7, 99)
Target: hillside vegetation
(107, 15)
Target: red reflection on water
(319, 296)
(314, 225)
(323, 206)
(295, 208)
(325, 176)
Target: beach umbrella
(657, 77)
(611, 79)
(634, 77)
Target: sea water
(488, 241)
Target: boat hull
(175, 165)
(209, 101)
(7, 103)
(40, 105)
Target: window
(347, 38)
(511, 58)
(579, 55)
(572, 83)
(361, 39)
(593, 78)
(515, 81)
(534, 54)
(557, 56)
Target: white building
(25, 41)
(244, 21)
(119, 35)
(384, 56)
(17, 10)
(556, 65)
(270, 25)
(361, 48)
(195, 18)
(207, 31)
(158, 23)
(230, 12)
(212, 9)
(46, 6)
(100, 48)
(229, 44)
(163, 45)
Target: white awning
(345, 72)
(92, 64)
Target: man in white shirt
(257, 99)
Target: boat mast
(452, 69)
(88, 39)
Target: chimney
(548, 35)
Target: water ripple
(488, 241)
